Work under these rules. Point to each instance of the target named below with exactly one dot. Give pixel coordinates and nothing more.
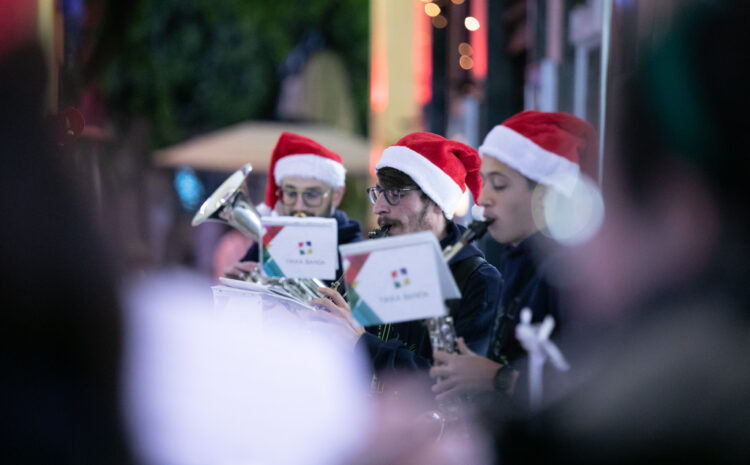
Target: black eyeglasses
(392, 196)
(310, 197)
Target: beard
(415, 222)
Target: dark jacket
(524, 271)
(348, 232)
(407, 345)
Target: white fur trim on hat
(433, 181)
(531, 160)
(264, 210)
(310, 166)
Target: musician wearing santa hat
(304, 179)
(420, 183)
(523, 158)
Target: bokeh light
(189, 188)
(575, 218)
(439, 21)
(464, 48)
(431, 9)
(471, 23)
(465, 62)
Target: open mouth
(489, 222)
(385, 224)
(381, 232)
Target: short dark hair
(391, 178)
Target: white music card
(299, 247)
(398, 278)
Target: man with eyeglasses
(304, 179)
(420, 182)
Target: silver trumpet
(230, 204)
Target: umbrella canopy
(253, 142)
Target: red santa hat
(549, 148)
(442, 168)
(302, 157)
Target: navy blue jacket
(524, 271)
(406, 346)
(348, 232)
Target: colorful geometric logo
(305, 248)
(400, 278)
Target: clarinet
(379, 232)
(441, 329)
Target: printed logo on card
(400, 278)
(305, 247)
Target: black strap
(523, 280)
(461, 271)
(506, 319)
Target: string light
(471, 23)
(432, 10)
(466, 62)
(464, 48)
(439, 21)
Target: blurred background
(167, 98)
(153, 104)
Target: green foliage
(191, 66)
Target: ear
(439, 215)
(338, 195)
(435, 209)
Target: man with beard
(304, 179)
(420, 182)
